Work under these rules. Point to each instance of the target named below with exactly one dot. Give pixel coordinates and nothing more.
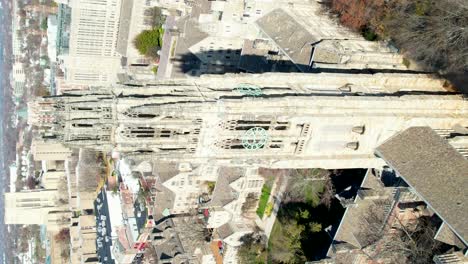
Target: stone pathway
(270, 221)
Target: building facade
(92, 58)
(37, 207)
(271, 120)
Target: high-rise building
(47, 151)
(272, 120)
(35, 207)
(92, 58)
(95, 43)
(18, 77)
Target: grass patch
(298, 233)
(173, 47)
(262, 204)
(269, 209)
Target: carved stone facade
(275, 120)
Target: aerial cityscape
(234, 131)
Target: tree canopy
(149, 42)
(431, 32)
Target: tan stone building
(271, 120)
(35, 207)
(49, 151)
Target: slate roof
(223, 193)
(253, 59)
(165, 198)
(88, 170)
(165, 170)
(436, 171)
(347, 235)
(326, 52)
(225, 231)
(189, 34)
(290, 36)
(169, 249)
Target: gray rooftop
(253, 59)
(225, 231)
(165, 198)
(88, 170)
(223, 193)
(124, 26)
(190, 34)
(290, 36)
(348, 234)
(436, 171)
(326, 52)
(165, 170)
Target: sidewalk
(270, 221)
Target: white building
(92, 57)
(52, 37)
(13, 176)
(186, 185)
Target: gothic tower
(275, 120)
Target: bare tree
(395, 241)
(150, 255)
(31, 183)
(431, 32)
(328, 193)
(63, 235)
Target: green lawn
(266, 191)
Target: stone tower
(276, 120)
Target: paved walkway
(165, 52)
(270, 221)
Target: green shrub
(269, 209)
(211, 186)
(315, 227)
(406, 62)
(149, 42)
(44, 24)
(369, 34)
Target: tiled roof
(293, 39)
(223, 193)
(437, 172)
(225, 230)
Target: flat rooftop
(435, 170)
